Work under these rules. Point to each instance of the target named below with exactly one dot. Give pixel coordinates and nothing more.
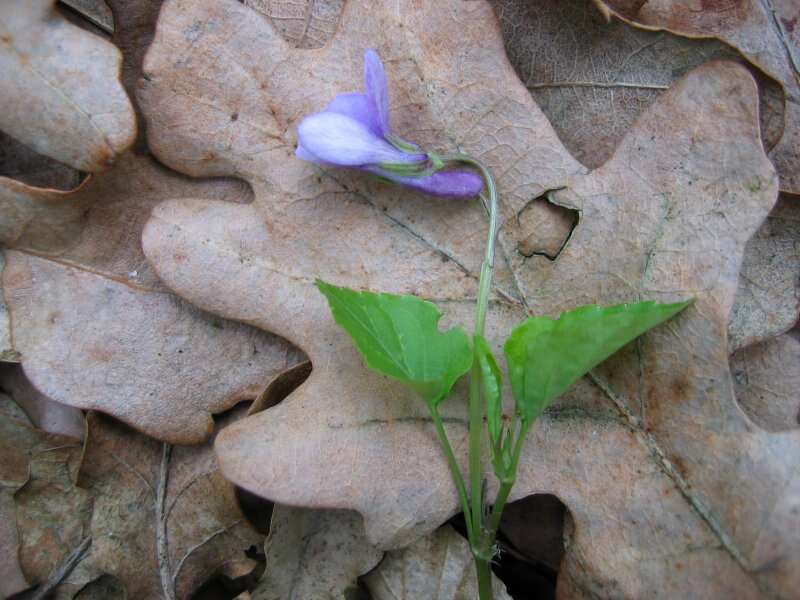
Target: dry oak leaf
(61, 93)
(764, 32)
(667, 217)
(593, 78)
(437, 567)
(13, 475)
(163, 518)
(305, 223)
(96, 329)
(36, 463)
(315, 555)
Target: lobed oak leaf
(61, 93)
(651, 455)
(97, 330)
(764, 32)
(593, 78)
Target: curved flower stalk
(354, 131)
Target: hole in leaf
(543, 227)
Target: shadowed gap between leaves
(227, 586)
(258, 510)
(23, 164)
(531, 543)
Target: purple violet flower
(354, 132)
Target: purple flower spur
(353, 131)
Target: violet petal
(340, 140)
(357, 107)
(376, 90)
(457, 183)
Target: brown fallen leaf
(315, 555)
(43, 413)
(593, 77)
(650, 458)
(674, 386)
(12, 579)
(162, 519)
(33, 461)
(439, 567)
(97, 330)
(762, 31)
(254, 148)
(767, 377)
(61, 93)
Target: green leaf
(398, 336)
(546, 356)
(491, 384)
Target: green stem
(506, 485)
(455, 471)
(484, 572)
(475, 446)
(476, 408)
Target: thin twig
(63, 571)
(162, 547)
